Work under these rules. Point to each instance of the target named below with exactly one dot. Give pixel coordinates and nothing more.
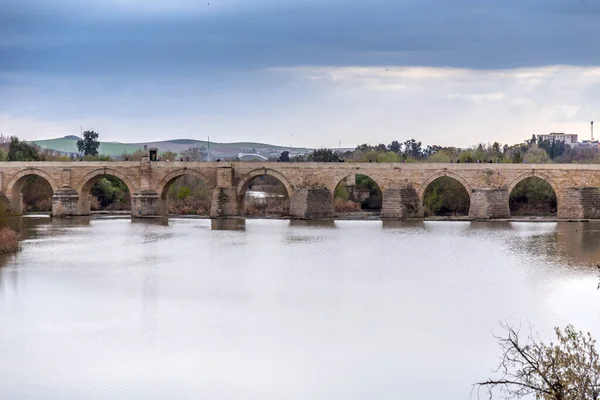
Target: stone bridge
(310, 186)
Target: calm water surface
(113, 308)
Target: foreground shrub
(9, 241)
(341, 205)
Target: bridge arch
(374, 192)
(530, 174)
(86, 183)
(16, 185)
(246, 179)
(435, 176)
(165, 184)
(536, 197)
(84, 187)
(18, 180)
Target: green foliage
(168, 156)
(37, 194)
(111, 192)
(100, 157)
(533, 196)
(89, 144)
(198, 189)
(324, 155)
(183, 193)
(3, 155)
(341, 192)
(284, 157)
(21, 151)
(446, 196)
(536, 155)
(375, 199)
(568, 369)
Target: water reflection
(276, 305)
(156, 221)
(579, 242)
(403, 224)
(228, 224)
(318, 223)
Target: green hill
(68, 144)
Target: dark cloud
(57, 38)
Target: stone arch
(84, 187)
(535, 174)
(353, 174)
(433, 177)
(17, 179)
(166, 182)
(85, 184)
(339, 178)
(246, 179)
(15, 186)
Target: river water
(274, 309)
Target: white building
(566, 138)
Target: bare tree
(566, 370)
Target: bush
(190, 207)
(9, 241)
(183, 193)
(341, 205)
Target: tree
(566, 370)
(89, 144)
(284, 157)
(533, 140)
(22, 151)
(195, 154)
(395, 146)
(324, 155)
(168, 156)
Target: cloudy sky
(302, 72)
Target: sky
(313, 73)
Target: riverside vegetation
(9, 239)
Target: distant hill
(68, 144)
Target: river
(276, 309)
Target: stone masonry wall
(577, 186)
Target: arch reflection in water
(317, 223)
(159, 221)
(228, 224)
(403, 224)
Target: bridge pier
(65, 202)
(489, 203)
(311, 203)
(225, 202)
(401, 203)
(579, 202)
(145, 203)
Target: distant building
(566, 138)
(590, 143)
